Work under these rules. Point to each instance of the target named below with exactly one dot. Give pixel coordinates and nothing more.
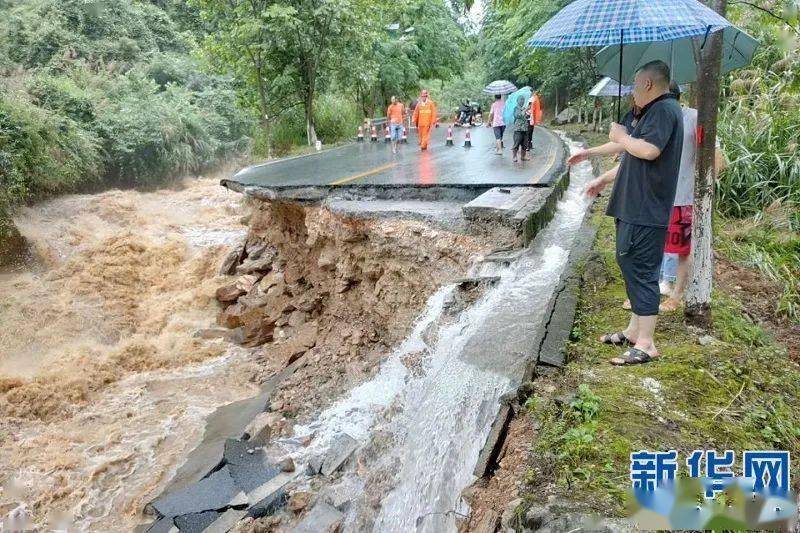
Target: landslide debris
(334, 289)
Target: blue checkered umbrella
(500, 87)
(621, 22)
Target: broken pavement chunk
(217, 491)
(248, 470)
(225, 522)
(270, 496)
(163, 525)
(322, 518)
(340, 451)
(196, 522)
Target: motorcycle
(469, 115)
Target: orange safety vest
(425, 113)
(536, 110)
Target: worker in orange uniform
(536, 117)
(424, 118)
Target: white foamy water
(434, 420)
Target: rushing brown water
(103, 385)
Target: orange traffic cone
(449, 136)
(467, 140)
(373, 135)
(404, 140)
(360, 134)
(388, 137)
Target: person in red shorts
(679, 230)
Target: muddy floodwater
(103, 384)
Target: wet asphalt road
(372, 163)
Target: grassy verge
(739, 391)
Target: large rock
(340, 451)
(230, 293)
(227, 294)
(263, 428)
(256, 250)
(322, 518)
(249, 266)
(257, 328)
(231, 261)
(303, 339)
(231, 317)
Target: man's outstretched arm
(609, 148)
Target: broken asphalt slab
(248, 466)
(217, 491)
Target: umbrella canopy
(609, 87)
(511, 103)
(622, 22)
(500, 87)
(738, 49)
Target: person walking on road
(424, 119)
(521, 122)
(645, 183)
(497, 123)
(395, 114)
(536, 117)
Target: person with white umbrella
(497, 123)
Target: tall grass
(760, 129)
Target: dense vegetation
(105, 93)
(131, 92)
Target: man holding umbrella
(641, 202)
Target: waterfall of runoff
(421, 427)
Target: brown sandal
(634, 356)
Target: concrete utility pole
(698, 292)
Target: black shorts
(498, 132)
(640, 250)
(520, 140)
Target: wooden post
(698, 291)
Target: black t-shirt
(644, 190)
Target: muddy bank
(337, 290)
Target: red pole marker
(388, 136)
(374, 135)
(360, 134)
(449, 136)
(468, 140)
(405, 136)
